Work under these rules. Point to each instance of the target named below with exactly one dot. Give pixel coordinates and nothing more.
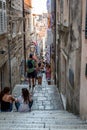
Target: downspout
(55, 42)
(24, 39)
(9, 50)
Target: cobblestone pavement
(47, 112)
(45, 97)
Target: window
(86, 22)
(3, 17)
(14, 29)
(0, 4)
(66, 13)
(16, 4)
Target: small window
(0, 4)
(13, 29)
(4, 6)
(1, 22)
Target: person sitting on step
(24, 102)
(6, 100)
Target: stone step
(55, 117)
(39, 129)
(39, 117)
(41, 120)
(50, 126)
(56, 112)
(42, 114)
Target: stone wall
(4, 70)
(15, 40)
(70, 52)
(74, 64)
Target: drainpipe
(9, 60)
(24, 40)
(55, 42)
(9, 38)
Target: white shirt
(24, 107)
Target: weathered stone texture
(12, 42)
(70, 53)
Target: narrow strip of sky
(39, 6)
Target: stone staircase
(41, 120)
(47, 112)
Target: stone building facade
(11, 42)
(15, 40)
(15, 28)
(71, 54)
(68, 44)
(4, 72)
(28, 25)
(51, 33)
(83, 75)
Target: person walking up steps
(39, 74)
(31, 71)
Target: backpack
(30, 64)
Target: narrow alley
(43, 40)
(47, 112)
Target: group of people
(34, 71)
(23, 103)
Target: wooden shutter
(86, 22)
(3, 15)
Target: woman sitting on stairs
(24, 102)
(6, 100)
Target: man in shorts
(31, 71)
